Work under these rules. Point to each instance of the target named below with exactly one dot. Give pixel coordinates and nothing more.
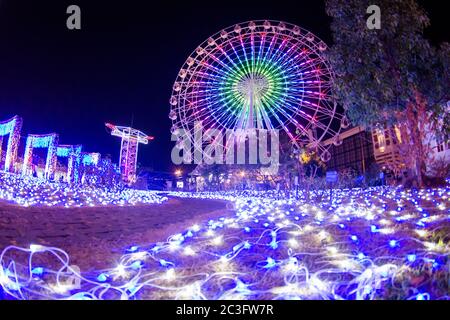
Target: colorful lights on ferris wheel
(262, 75)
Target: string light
(30, 191)
(295, 260)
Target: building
(353, 149)
(385, 147)
(438, 163)
(388, 142)
(358, 149)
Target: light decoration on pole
(49, 141)
(131, 138)
(251, 254)
(10, 128)
(73, 153)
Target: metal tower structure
(131, 138)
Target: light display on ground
(29, 191)
(73, 154)
(131, 138)
(49, 141)
(10, 128)
(379, 243)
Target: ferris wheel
(260, 75)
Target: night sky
(123, 62)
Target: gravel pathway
(96, 237)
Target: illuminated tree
(390, 75)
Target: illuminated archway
(73, 153)
(49, 141)
(12, 129)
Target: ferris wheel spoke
(312, 117)
(252, 45)
(283, 124)
(270, 49)
(261, 46)
(230, 71)
(247, 64)
(289, 57)
(308, 105)
(296, 111)
(282, 60)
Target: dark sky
(123, 61)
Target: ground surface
(376, 243)
(96, 237)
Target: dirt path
(96, 237)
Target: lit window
(440, 144)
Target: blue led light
(165, 263)
(133, 249)
(270, 263)
(393, 243)
(136, 265)
(423, 296)
(102, 277)
(37, 271)
(189, 234)
(420, 224)
(273, 245)
(156, 249)
(241, 286)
